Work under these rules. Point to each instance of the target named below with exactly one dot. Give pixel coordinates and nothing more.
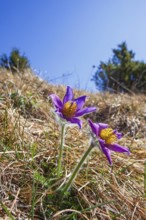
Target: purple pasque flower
(107, 138)
(70, 109)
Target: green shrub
(15, 62)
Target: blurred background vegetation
(15, 61)
(121, 73)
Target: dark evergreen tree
(16, 62)
(121, 73)
(4, 61)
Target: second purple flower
(107, 138)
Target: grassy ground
(29, 142)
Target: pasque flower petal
(76, 121)
(97, 127)
(118, 148)
(69, 95)
(85, 111)
(80, 101)
(106, 151)
(56, 101)
(119, 135)
(102, 126)
(94, 127)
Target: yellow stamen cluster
(69, 109)
(108, 135)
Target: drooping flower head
(107, 138)
(70, 109)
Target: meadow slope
(29, 140)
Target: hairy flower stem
(76, 170)
(61, 150)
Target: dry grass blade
(29, 142)
(145, 179)
(69, 210)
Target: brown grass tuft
(29, 143)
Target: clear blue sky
(69, 36)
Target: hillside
(30, 136)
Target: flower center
(69, 109)
(108, 135)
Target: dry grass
(28, 156)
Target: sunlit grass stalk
(76, 170)
(33, 199)
(145, 179)
(34, 185)
(59, 169)
(7, 211)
